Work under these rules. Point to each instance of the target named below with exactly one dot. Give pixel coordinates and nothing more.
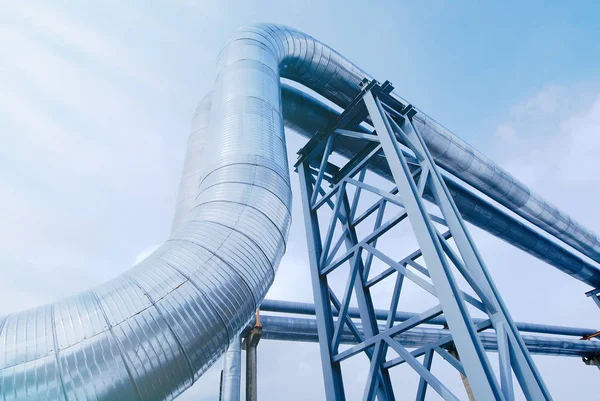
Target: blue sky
(96, 101)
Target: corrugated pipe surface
(151, 332)
(232, 371)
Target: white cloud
(506, 133)
(545, 101)
(552, 147)
(555, 154)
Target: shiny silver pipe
(151, 332)
(284, 328)
(313, 64)
(232, 371)
(302, 308)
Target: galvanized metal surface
(311, 63)
(151, 332)
(232, 371)
(302, 308)
(286, 328)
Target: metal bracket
(254, 335)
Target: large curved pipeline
(151, 332)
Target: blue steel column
(525, 369)
(422, 389)
(379, 382)
(513, 353)
(464, 334)
(332, 374)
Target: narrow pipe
(301, 308)
(251, 374)
(284, 328)
(232, 371)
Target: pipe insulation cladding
(151, 332)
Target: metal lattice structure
(447, 265)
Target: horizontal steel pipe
(305, 330)
(302, 308)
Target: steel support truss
(447, 265)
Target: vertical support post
(332, 374)
(250, 344)
(251, 379)
(476, 365)
(422, 389)
(232, 371)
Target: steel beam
(250, 346)
(332, 374)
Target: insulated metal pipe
(313, 64)
(232, 371)
(284, 328)
(151, 332)
(302, 308)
